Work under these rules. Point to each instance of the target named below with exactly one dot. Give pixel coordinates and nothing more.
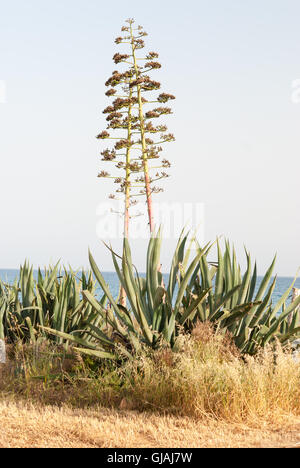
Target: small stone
(2, 352)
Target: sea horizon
(283, 282)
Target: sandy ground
(25, 426)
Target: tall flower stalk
(121, 109)
(127, 113)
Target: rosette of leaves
(52, 299)
(243, 304)
(154, 315)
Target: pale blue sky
(229, 63)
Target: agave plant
(239, 304)
(54, 299)
(66, 307)
(155, 314)
(196, 290)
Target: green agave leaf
(148, 334)
(187, 254)
(223, 301)
(253, 283)
(31, 329)
(106, 315)
(100, 335)
(256, 315)
(96, 353)
(238, 312)
(228, 269)
(69, 337)
(155, 263)
(243, 294)
(283, 298)
(103, 285)
(296, 318)
(220, 273)
(263, 329)
(177, 259)
(236, 279)
(265, 281)
(187, 276)
(30, 308)
(283, 315)
(292, 333)
(188, 312)
(148, 271)
(133, 292)
(50, 280)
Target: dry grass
(209, 378)
(23, 425)
(202, 395)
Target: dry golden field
(25, 425)
(206, 395)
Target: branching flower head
(163, 97)
(103, 174)
(117, 58)
(130, 117)
(103, 135)
(108, 155)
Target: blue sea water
(111, 279)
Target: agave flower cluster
(138, 146)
